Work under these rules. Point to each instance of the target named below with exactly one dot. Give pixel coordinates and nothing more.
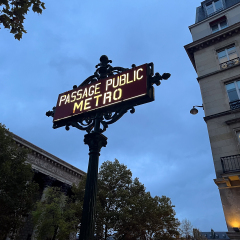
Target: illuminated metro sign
(129, 87)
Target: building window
(218, 24)
(233, 94)
(228, 57)
(213, 7)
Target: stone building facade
(214, 54)
(49, 171)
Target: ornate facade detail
(49, 164)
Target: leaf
(13, 14)
(18, 36)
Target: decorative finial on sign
(104, 66)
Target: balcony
(231, 163)
(230, 63)
(234, 105)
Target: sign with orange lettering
(106, 93)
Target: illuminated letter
(108, 83)
(119, 90)
(122, 80)
(63, 97)
(139, 78)
(86, 104)
(90, 93)
(85, 93)
(108, 96)
(128, 79)
(79, 94)
(97, 98)
(73, 96)
(134, 76)
(78, 106)
(67, 99)
(96, 88)
(115, 85)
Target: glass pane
(209, 9)
(232, 56)
(238, 84)
(222, 56)
(214, 28)
(223, 24)
(232, 94)
(230, 86)
(231, 49)
(223, 59)
(218, 4)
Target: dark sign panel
(105, 93)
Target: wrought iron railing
(230, 63)
(234, 105)
(231, 163)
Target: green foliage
(57, 215)
(12, 14)
(127, 211)
(17, 191)
(49, 213)
(124, 209)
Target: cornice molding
(211, 40)
(217, 115)
(232, 121)
(49, 164)
(219, 71)
(221, 114)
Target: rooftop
(209, 8)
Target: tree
(49, 214)
(188, 232)
(17, 191)
(186, 228)
(57, 215)
(113, 190)
(12, 14)
(126, 211)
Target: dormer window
(213, 7)
(218, 24)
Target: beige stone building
(215, 53)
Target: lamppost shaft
(95, 141)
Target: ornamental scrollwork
(104, 70)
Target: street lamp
(194, 111)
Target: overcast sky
(165, 146)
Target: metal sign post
(100, 100)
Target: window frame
(236, 87)
(225, 50)
(229, 62)
(218, 23)
(214, 7)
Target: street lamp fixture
(194, 111)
